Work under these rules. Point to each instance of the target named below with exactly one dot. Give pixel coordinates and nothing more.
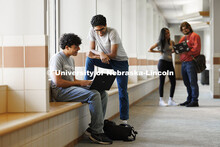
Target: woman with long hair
(165, 47)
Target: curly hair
(98, 20)
(69, 40)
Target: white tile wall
(35, 78)
(13, 41)
(16, 101)
(1, 77)
(132, 78)
(35, 40)
(62, 129)
(46, 141)
(14, 139)
(3, 99)
(28, 133)
(80, 73)
(0, 141)
(1, 40)
(21, 137)
(14, 78)
(45, 127)
(6, 140)
(35, 100)
(142, 68)
(216, 54)
(47, 77)
(113, 105)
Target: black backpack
(123, 132)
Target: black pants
(164, 66)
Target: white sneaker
(162, 103)
(124, 122)
(172, 103)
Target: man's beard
(187, 33)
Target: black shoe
(88, 131)
(193, 104)
(184, 104)
(100, 138)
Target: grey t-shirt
(63, 64)
(104, 43)
(167, 52)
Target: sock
(170, 98)
(161, 98)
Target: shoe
(100, 138)
(172, 102)
(184, 104)
(193, 104)
(162, 103)
(124, 122)
(88, 131)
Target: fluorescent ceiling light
(194, 16)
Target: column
(215, 47)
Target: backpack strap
(134, 133)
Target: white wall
(129, 27)
(141, 29)
(111, 9)
(75, 16)
(207, 47)
(22, 17)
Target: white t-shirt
(104, 43)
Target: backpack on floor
(123, 132)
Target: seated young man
(66, 88)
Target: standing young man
(66, 88)
(111, 56)
(188, 68)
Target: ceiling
(172, 9)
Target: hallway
(173, 126)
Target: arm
(181, 40)
(152, 49)
(194, 45)
(113, 53)
(93, 53)
(97, 54)
(65, 83)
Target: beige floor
(173, 126)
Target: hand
(92, 55)
(85, 82)
(184, 53)
(104, 58)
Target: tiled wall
(216, 79)
(57, 131)
(3, 99)
(134, 65)
(62, 129)
(24, 69)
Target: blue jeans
(122, 81)
(190, 80)
(97, 103)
